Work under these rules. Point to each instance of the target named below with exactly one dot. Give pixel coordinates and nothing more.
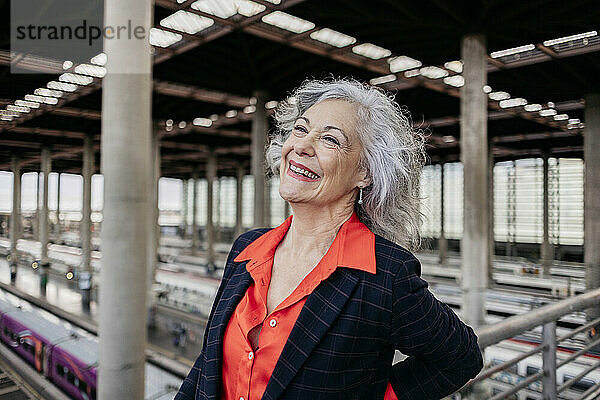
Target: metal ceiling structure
(212, 74)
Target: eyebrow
(327, 128)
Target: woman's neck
(314, 228)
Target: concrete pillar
(211, 175)
(35, 221)
(154, 229)
(442, 241)
(239, 226)
(591, 200)
(195, 234)
(87, 170)
(474, 155)
(259, 141)
(46, 162)
(57, 227)
(546, 253)
(15, 218)
(126, 166)
(184, 209)
(490, 212)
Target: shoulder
(395, 259)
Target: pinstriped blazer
(343, 342)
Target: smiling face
(320, 160)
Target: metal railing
(545, 316)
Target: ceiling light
(448, 138)
(67, 64)
(249, 109)
(561, 117)
(511, 51)
(548, 112)
(231, 113)
(516, 102)
(455, 80)
(574, 121)
(76, 79)
(533, 107)
(570, 38)
(169, 122)
(169, 128)
(498, 96)
(383, 79)
(91, 70)
(372, 51)
(99, 59)
(214, 117)
(433, 72)
(205, 122)
(487, 88)
(228, 8)
(6, 118)
(271, 104)
(455, 66)
(550, 104)
(403, 63)
(161, 38)
(41, 99)
(288, 22)
(50, 100)
(187, 22)
(8, 113)
(182, 124)
(25, 103)
(412, 73)
(48, 92)
(332, 37)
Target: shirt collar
(354, 245)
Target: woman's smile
(302, 172)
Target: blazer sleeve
(442, 351)
(187, 391)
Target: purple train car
(68, 360)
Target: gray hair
(393, 153)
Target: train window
(60, 370)
(512, 369)
(581, 386)
(532, 370)
(71, 378)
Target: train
(64, 357)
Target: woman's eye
(301, 128)
(331, 139)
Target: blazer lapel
(321, 309)
(232, 294)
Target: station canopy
(212, 56)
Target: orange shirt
(247, 372)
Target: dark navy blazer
(342, 345)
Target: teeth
(303, 172)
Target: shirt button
(273, 323)
(250, 356)
(241, 398)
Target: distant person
(315, 308)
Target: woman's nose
(305, 145)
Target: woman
(315, 308)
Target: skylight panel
(271, 104)
(403, 63)
(516, 102)
(548, 112)
(511, 51)
(249, 109)
(76, 79)
(571, 38)
(205, 122)
(25, 103)
(91, 70)
(533, 107)
(187, 22)
(455, 80)
(333, 38)
(60, 86)
(228, 8)
(433, 72)
(561, 117)
(454, 66)
(383, 79)
(499, 96)
(48, 92)
(161, 38)
(274, 1)
(372, 51)
(288, 22)
(99, 59)
(412, 73)
(19, 109)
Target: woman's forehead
(341, 112)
